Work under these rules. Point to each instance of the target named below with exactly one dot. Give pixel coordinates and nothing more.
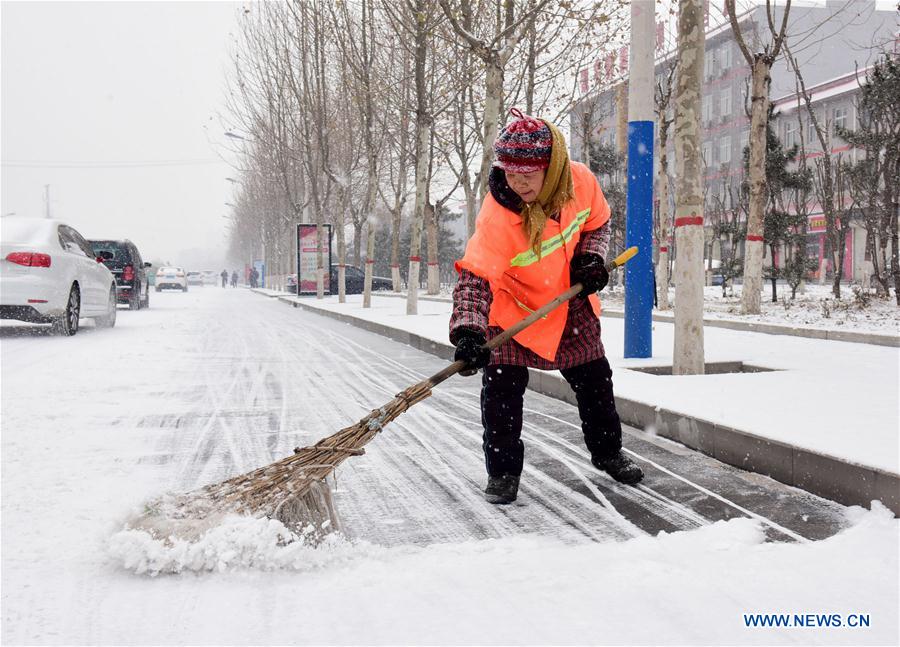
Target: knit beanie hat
(524, 146)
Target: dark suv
(124, 260)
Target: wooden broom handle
(521, 325)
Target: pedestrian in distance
(234, 279)
(224, 278)
(543, 227)
(254, 276)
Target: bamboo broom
(294, 489)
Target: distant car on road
(124, 260)
(194, 278)
(50, 274)
(210, 277)
(171, 278)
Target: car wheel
(158, 289)
(134, 303)
(109, 319)
(67, 324)
(147, 300)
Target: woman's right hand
(470, 349)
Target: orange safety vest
(520, 281)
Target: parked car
(194, 278)
(210, 277)
(171, 278)
(124, 260)
(355, 280)
(49, 274)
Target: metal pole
(639, 284)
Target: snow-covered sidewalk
(834, 398)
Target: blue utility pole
(639, 282)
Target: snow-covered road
(214, 382)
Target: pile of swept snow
(234, 542)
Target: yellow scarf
(557, 190)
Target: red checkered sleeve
(472, 299)
(595, 241)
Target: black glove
(590, 271)
(470, 349)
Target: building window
(708, 65)
(706, 151)
(725, 56)
(790, 133)
(745, 139)
(724, 150)
(706, 108)
(725, 102)
(811, 135)
(840, 118)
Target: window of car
(354, 272)
(120, 253)
(75, 242)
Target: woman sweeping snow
(543, 227)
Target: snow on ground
(816, 308)
(836, 398)
(96, 424)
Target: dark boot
(620, 467)
(502, 489)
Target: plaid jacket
(580, 341)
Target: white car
(49, 274)
(172, 278)
(210, 277)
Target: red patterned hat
(524, 145)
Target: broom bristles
(293, 490)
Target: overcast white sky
(119, 82)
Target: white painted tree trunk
(688, 354)
(423, 124)
(753, 248)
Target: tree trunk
(434, 281)
(688, 356)
(753, 250)
(395, 245)
(423, 128)
(662, 184)
(622, 126)
(493, 97)
(357, 242)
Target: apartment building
(833, 42)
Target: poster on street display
(307, 236)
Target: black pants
(503, 388)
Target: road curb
(833, 478)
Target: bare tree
(494, 50)
(663, 96)
(760, 63)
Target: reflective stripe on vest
(523, 259)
